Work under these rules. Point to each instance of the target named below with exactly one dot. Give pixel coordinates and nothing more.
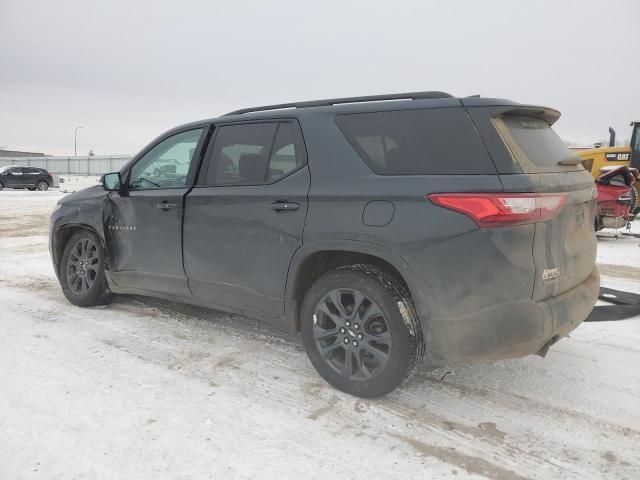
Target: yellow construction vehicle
(601, 159)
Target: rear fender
(309, 248)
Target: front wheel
(81, 272)
(1, 186)
(361, 331)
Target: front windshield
(5, 168)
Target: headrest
(252, 167)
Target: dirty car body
(473, 204)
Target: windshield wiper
(570, 161)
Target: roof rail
(334, 101)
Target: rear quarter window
(437, 141)
(535, 145)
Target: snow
(144, 388)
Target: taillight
(625, 198)
(502, 209)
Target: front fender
(86, 215)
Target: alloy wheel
(352, 334)
(82, 266)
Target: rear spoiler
(549, 115)
(507, 107)
(501, 106)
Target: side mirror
(111, 181)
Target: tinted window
(167, 164)
(535, 145)
(253, 154)
(241, 154)
(417, 142)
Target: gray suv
(386, 229)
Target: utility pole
(75, 141)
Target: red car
(614, 197)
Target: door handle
(284, 206)
(166, 206)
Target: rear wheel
(1, 186)
(360, 330)
(82, 268)
(42, 185)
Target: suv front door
(245, 217)
(15, 177)
(143, 222)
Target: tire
(384, 335)
(635, 207)
(81, 271)
(1, 186)
(42, 186)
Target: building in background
(14, 153)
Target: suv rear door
(245, 217)
(15, 177)
(31, 176)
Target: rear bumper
(512, 329)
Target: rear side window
(535, 145)
(283, 156)
(438, 141)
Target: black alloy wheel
(82, 265)
(352, 334)
(361, 330)
(82, 270)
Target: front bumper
(512, 329)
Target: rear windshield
(436, 141)
(535, 145)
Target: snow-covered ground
(148, 389)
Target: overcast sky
(128, 70)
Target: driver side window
(167, 164)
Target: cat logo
(617, 157)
